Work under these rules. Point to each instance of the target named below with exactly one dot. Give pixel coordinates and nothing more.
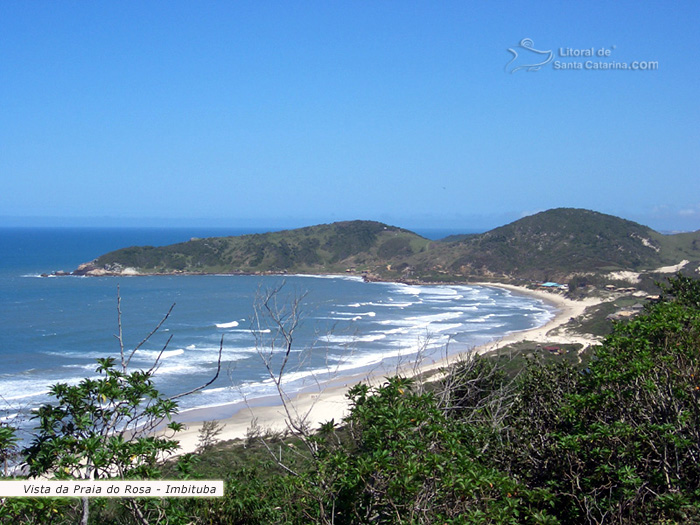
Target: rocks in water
(92, 270)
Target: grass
(512, 358)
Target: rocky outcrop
(92, 270)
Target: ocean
(53, 329)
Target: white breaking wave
(356, 338)
(232, 324)
(154, 354)
(23, 389)
(390, 304)
(356, 314)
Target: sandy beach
(330, 402)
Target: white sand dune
(672, 269)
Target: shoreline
(330, 402)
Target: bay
(53, 329)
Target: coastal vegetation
(328, 247)
(613, 437)
(572, 246)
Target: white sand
(630, 277)
(553, 331)
(332, 403)
(672, 269)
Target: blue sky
(296, 113)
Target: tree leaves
(84, 434)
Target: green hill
(552, 245)
(557, 243)
(324, 248)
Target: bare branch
(145, 339)
(156, 362)
(218, 370)
(120, 337)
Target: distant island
(565, 245)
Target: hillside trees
(408, 462)
(619, 440)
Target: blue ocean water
(53, 329)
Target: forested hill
(325, 248)
(552, 245)
(555, 244)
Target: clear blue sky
(295, 113)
